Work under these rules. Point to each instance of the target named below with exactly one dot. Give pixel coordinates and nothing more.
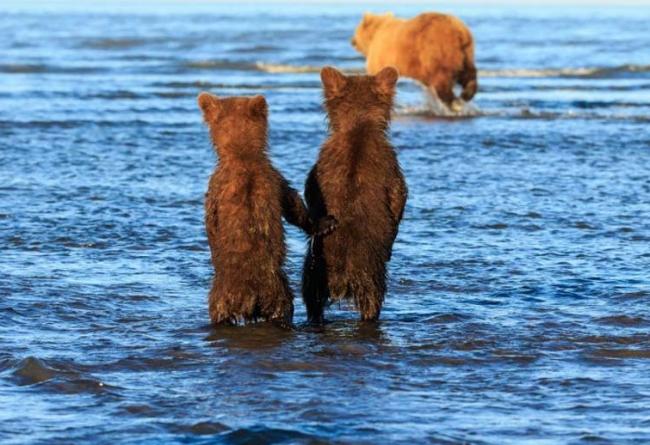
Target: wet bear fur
(244, 205)
(357, 179)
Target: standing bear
(244, 205)
(358, 181)
(434, 49)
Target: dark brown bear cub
(357, 180)
(245, 202)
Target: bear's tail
(467, 77)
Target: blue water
(517, 310)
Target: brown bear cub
(357, 179)
(245, 202)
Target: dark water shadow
(360, 331)
(59, 376)
(345, 336)
(250, 337)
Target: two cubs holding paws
(355, 200)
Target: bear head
(351, 100)
(366, 30)
(238, 125)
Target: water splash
(434, 107)
(625, 70)
(280, 68)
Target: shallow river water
(517, 310)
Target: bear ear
(333, 80)
(209, 104)
(258, 105)
(386, 79)
(368, 17)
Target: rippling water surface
(519, 289)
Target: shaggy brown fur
(357, 179)
(435, 49)
(244, 204)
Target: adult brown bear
(357, 179)
(435, 49)
(244, 205)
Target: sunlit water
(517, 309)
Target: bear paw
(325, 226)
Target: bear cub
(244, 204)
(357, 179)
